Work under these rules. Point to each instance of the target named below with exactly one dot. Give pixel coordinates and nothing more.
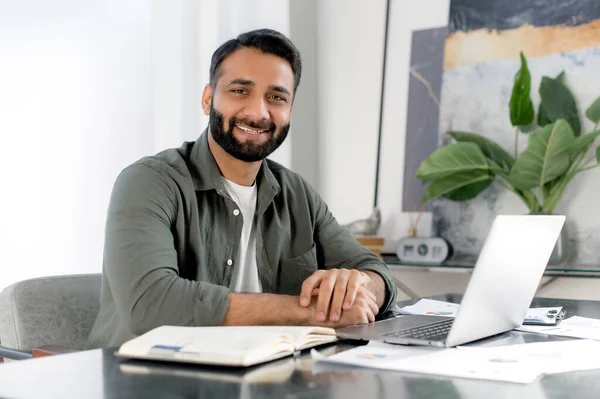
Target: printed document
(513, 363)
(575, 327)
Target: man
(213, 233)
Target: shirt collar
(205, 171)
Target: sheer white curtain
(86, 88)
(75, 109)
(185, 34)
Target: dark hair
(268, 41)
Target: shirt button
(236, 212)
(229, 262)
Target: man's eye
(238, 91)
(278, 98)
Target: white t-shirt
(245, 270)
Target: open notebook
(224, 346)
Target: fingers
(371, 310)
(339, 293)
(365, 313)
(373, 306)
(366, 302)
(309, 285)
(328, 283)
(347, 285)
(370, 315)
(356, 280)
(373, 300)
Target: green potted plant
(556, 151)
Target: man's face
(250, 106)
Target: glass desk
(466, 264)
(469, 263)
(99, 374)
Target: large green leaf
(521, 106)
(469, 191)
(546, 157)
(549, 189)
(553, 192)
(527, 128)
(489, 148)
(560, 77)
(593, 112)
(559, 103)
(543, 118)
(530, 199)
(583, 143)
(451, 159)
(469, 181)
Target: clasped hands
(340, 297)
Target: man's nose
(256, 108)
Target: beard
(248, 151)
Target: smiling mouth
(250, 130)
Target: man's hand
(363, 311)
(284, 310)
(365, 290)
(337, 288)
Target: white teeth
(251, 131)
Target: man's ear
(206, 99)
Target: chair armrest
(50, 350)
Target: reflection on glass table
(567, 270)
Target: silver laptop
(502, 286)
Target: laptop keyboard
(431, 331)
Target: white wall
(350, 66)
(350, 53)
(75, 108)
(177, 82)
(304, 137)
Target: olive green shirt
(172, 237)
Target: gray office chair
(58, 310)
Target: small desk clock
(430, 250)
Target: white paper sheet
(514, 363)
(432, 307)
(575, 327)
(577, 321)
